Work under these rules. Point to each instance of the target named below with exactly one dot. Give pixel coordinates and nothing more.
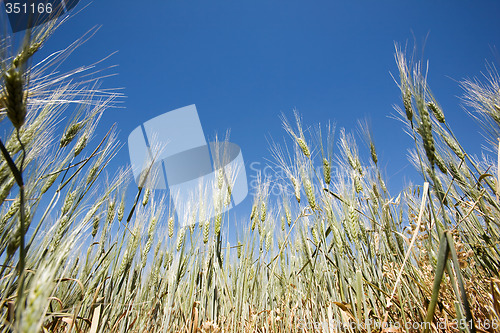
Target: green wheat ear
(15, 99)
(171, 226)
(425, 131)
(70, 134)
(304, 147)
(407, 104)
(436, 111)
(327, 172)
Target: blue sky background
(243, 62)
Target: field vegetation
(335, 253)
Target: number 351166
(23, 8)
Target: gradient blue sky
(243, 62)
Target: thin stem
(19, 180)
(22, 249)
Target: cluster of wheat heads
(335, 252)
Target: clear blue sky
(243, 62)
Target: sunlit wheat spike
(192, 223)
(37, 300)
(13, 209)
(171, 226)
(375, 195)
(180, 238)
(238, 249)
(263, 210)
(440, 163)
(327, 172)
(95, 225)
(296, 188)
(357, 184)
(157, 249)
(337, 237)
(133, 282)
(254, 223)
(288, 213)
(80, 145)
(220, 178)
(253, 212)
(351, 160)
(425, 131)
(269, 238)
(308, 188)
(329, 214)
(147, 248)
(298, 135)
(121, 209)
(167, 259)
(14, 241)
(227, 198)
(407, 104)
(68, 202)
(453, 145)
(27, 52)
(251, 274)
(206, 230)
(70, 133)
(62, 225)
(5, 189)
(145, 198)
(389, 235)
(456, 173)
(366, 132)
(352, 225)
(315, 236)
(130, 251)
(405, 82)
(111, 211)
(152, 225)
(217, 224)
(304, 147)
(436, 111)
(49, 182)
(373, 153)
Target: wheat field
(336, 252)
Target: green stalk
(19, 180)
(463, 294)
(444, 250)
